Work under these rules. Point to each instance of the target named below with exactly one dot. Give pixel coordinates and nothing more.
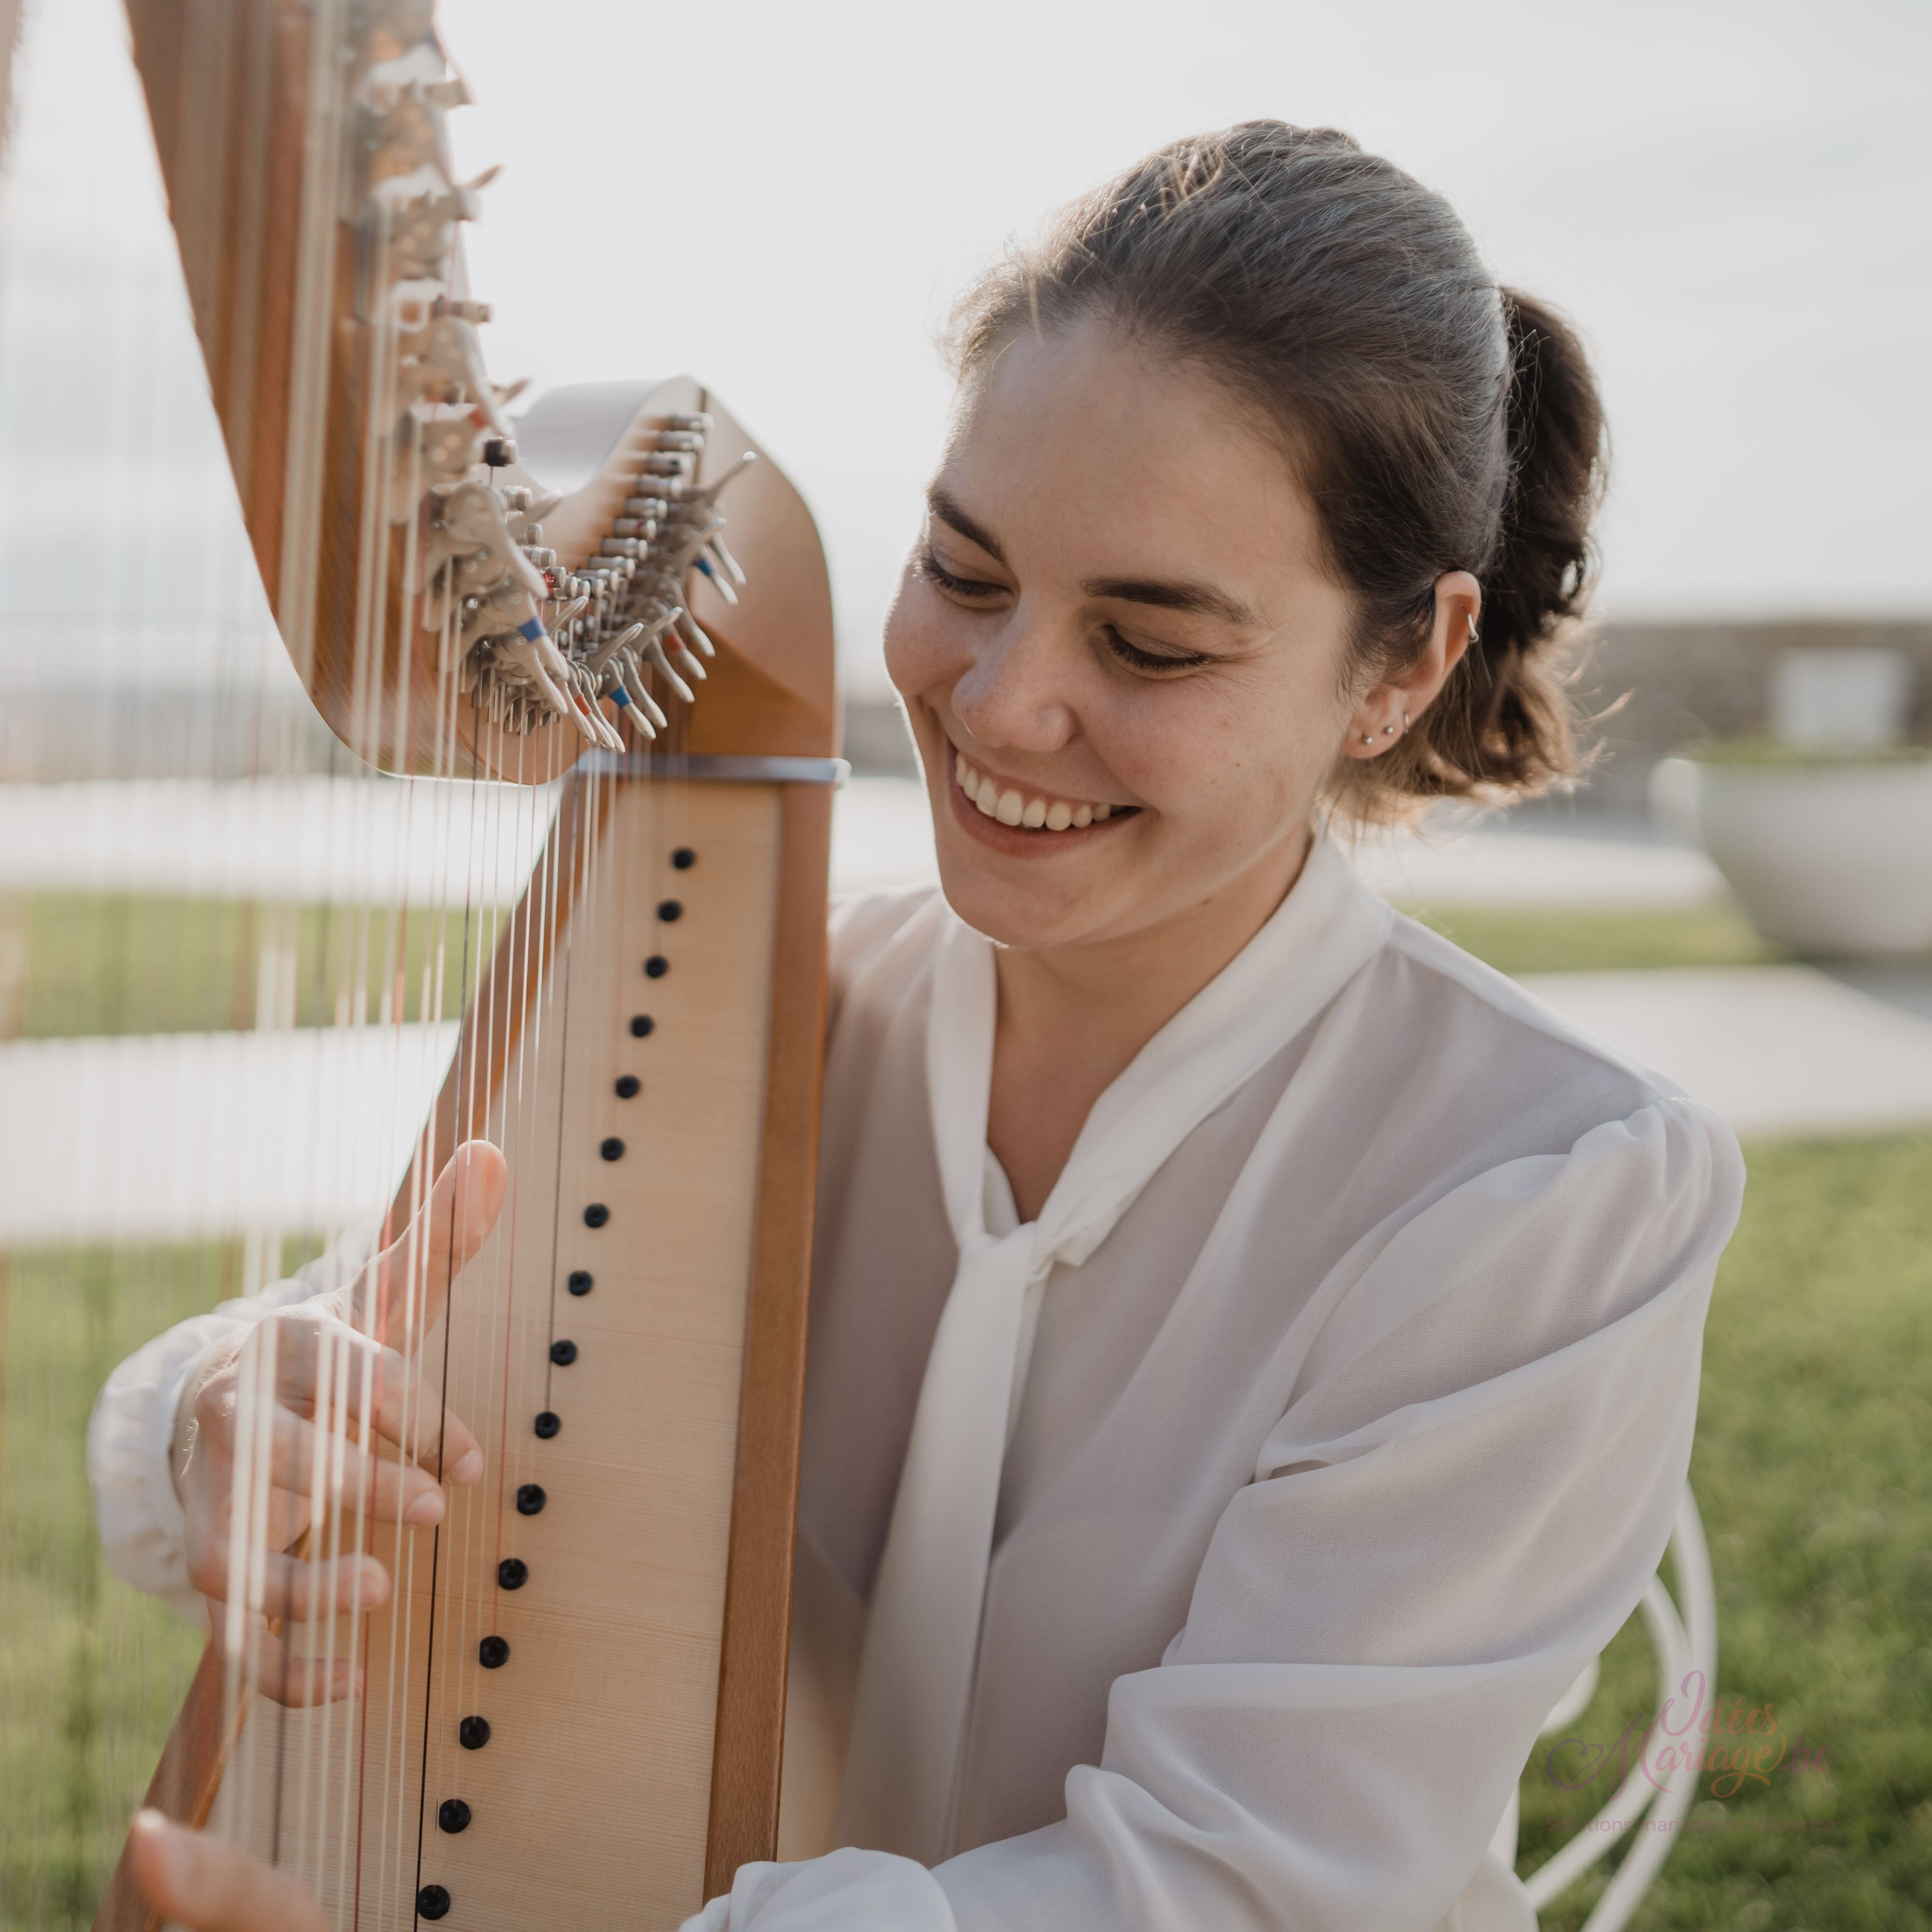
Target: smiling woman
(1254, 1347)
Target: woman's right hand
(191, 1879)
(347, 1338)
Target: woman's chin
(1026, 905)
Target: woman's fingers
(284, 1677)
(325, 1464)
(324, 1368)
(191, 1879)
(411, 1415)
(294, 1590)
(415, 1270)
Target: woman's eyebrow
(943, 507)
(1202, 598)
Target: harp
(573, 1704)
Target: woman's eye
(953, 584)
(1135, 659)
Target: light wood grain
(592, 1800)
(639, 1721)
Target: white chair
(1684, 1639)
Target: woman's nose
(1017, 692)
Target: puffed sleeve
(130, 1434)
(1473, 1479)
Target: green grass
(1524, 940)
(90, 963)
(91, 1672)
(1810, 1465)
(74, 964)
(1810, 1468)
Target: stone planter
(1831, 857)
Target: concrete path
(883, 836)
(173, 1136)
(355, 841)
(1775, 1049)
(185, 1134)
(349, 840)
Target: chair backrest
(1684, 1635)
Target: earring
(1404, 720)
(1388, 731)
(1367, 739)
(1475, 636)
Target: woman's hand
(330, 1356)
(192, 1880)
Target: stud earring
(1367, 739)
(1388, 731)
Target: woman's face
(1115, 632)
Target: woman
(1255, 1347)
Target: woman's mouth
(1029, 810)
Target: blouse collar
(1323, 932)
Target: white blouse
(1345, 1386)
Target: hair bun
(1505, 718)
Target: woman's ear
(1385, 714)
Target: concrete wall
(1680, 681)
(1662, 685)
(1676, 683)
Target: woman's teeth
(1017, 807)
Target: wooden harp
(573, 1703)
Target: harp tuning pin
(463, 310)
(718, 581)
(654, 651)
(498, 451)
(696, 644)
(709, 494)
(416, 303)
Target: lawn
(1810, 1466)
(1811, 1471)
(91, 1672)
(94, 963)
(1524, 939)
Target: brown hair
(1438, 422)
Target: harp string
(512, 1078)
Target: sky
(1732, 198)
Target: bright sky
(1734, 200)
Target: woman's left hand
(209, 1886)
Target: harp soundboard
(573, 1703)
